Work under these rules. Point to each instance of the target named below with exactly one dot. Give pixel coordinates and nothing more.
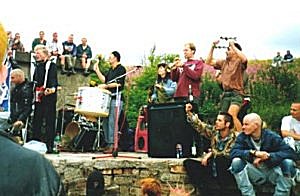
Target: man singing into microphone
(113, 86)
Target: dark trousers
(44, 110)
(202, 177)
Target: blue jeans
(109, 122)
(247, 175)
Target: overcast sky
(133, 26)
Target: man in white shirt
(290, 126)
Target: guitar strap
(46, 74)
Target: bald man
(21, 99)
(260, 155)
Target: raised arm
(209, 59)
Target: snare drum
(93, 101)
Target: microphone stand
(116, 130)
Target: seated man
(21, 100)
(277, 60)
(290, 127)
(84, 54)
(211, 175)
(56, 52)
(260, 155)
(288, 57)
(69, 52)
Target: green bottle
(56, 143)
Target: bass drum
(82, 136)
(72, 129)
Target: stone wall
(122, 175)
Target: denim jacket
(270, 142)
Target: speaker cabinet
(141, 135)
(168, 127)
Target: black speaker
(168, 127)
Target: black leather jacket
(21, 100)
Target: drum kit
(84, 131)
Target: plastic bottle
(194, 149)
(57, 143)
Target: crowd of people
(278, 60)
(65, 53)
(241, 154)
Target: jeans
(247, 175)
(109, 123)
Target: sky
(133, 27)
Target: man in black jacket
(21, 100)
(45, 76)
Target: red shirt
(189, 74)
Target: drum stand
(96, 145)
(116, 131)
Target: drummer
(112, 82)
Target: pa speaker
(141, 135)
(167, 128)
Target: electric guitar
(39, 93)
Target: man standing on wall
(232, 69)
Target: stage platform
(123, 173)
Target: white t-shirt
(289, 123)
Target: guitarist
(45, 78)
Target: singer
(113, 86)
(231, 78)
(188, 73)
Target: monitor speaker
(168, 127)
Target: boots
(73, 70)
(63, 70)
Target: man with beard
(211, 175)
